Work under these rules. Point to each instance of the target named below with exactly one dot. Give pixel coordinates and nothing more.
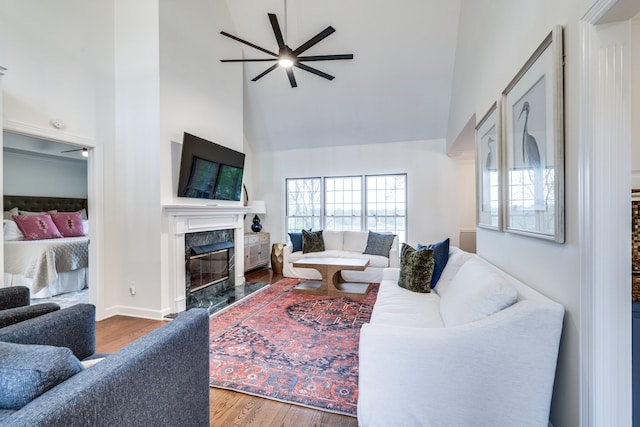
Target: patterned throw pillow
(379, 244)
(69, 223)
(312, 241)
(440, 257)
(37, 227)
(416, 269)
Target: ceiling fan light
(285, 62)
(85, 152)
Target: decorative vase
(256, 226)
(277, 250)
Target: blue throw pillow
(27, 371)
(440, 256)
(296, 240)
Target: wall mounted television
(209, 170)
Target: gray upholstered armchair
(160, 380)
(14, 306)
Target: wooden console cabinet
(256, 250)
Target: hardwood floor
(227, 408)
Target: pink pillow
(37, 227)
(69, 223)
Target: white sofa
(342, 244)
(457, 356)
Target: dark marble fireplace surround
(216, 294)
(219, 295)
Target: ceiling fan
(287, 57)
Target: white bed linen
(68, 281)
(42, 261)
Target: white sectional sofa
(479, 350)
(342, 244)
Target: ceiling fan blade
(314, 71)
(325, 57)
(292, 78)
(247, 43)
(265, 72)
(315, 39)
(70, 151)
(249, 60)
(276, 29)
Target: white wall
(57, 54)
(132, 192)
(635, 102)
(33, 175)
(496, 38)
(433, 182)
(467, 193)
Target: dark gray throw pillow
(416, 269)
(27, 371)
(379, 244)
(312, 241)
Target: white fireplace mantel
(196, 218)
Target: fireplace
(183, 221)
(209, 267)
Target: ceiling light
(85, 152)
(285, 62)
(287, 57)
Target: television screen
(202, 179)
(209, 170)
(229, 183)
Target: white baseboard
(138, 312)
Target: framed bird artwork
(488, 158)
(533, 132)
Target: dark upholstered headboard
(43, 204)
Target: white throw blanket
(42, 260)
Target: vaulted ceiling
(397, 87)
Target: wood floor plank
(227, 408)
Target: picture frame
(488, 170)
(533, 135)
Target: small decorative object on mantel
(257, 207)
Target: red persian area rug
(291, 347)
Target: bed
(47, 267)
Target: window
(343, 203)
(387, 204)
(336, 203)
(303, 204)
